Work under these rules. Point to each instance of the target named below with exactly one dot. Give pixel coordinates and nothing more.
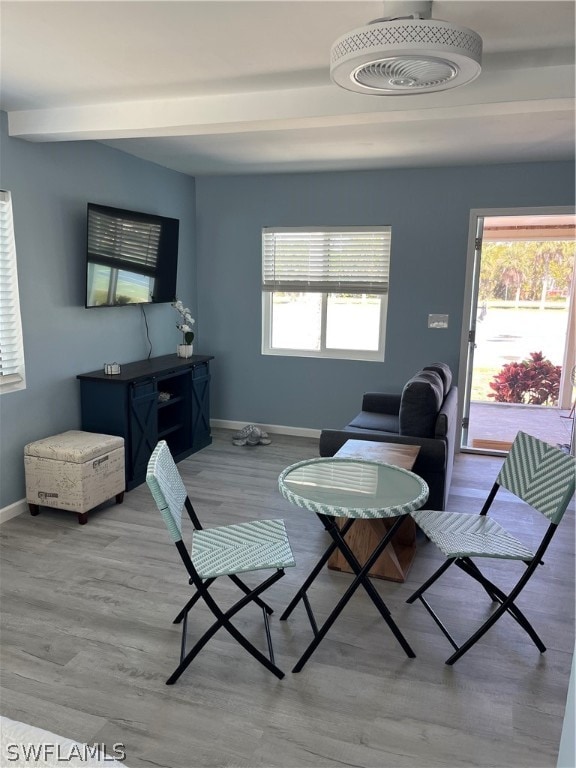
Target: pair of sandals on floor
(251, 435)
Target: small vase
(184, 350)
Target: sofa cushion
(384, 422)
(421, 400)
(444, 372)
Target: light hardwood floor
(87, 640)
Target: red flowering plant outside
(534, 381)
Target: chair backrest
(167, 488)
(539, 474)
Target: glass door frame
(470, 308)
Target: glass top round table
(353, 488)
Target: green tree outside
(526, 271)
(518, 280)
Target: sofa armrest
(381, 402)
(445, 427)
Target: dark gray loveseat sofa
(423, 414)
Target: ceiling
(211, 87)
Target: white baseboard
(277, 429)
(13, 510)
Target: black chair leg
(501, 597)
(192, 602)
(507, 605)
(239, 583)
(480, 632)
(247, 591)
(435, 576)
(223, 620)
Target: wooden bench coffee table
(394, 563)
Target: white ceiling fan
(406, 52)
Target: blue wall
(429, 211)
(219, 277)
(50, 185)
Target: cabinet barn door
(143, 404)
(201, 407)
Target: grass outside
(481, 384)
(506, 333)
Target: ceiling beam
(541, 89)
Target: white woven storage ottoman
(74, 470)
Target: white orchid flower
(187, 321)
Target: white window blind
(338, 260)
(11, 348)
(119, 242)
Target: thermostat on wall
(437, 321)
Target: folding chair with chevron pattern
(540, 475)
(220, 551)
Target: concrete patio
(499, 422)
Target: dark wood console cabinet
(134, 404)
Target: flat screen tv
(131, 257)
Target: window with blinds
(344, 260)
(324, 291)
(11, 346)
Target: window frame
(325, 352)
(10, 315)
